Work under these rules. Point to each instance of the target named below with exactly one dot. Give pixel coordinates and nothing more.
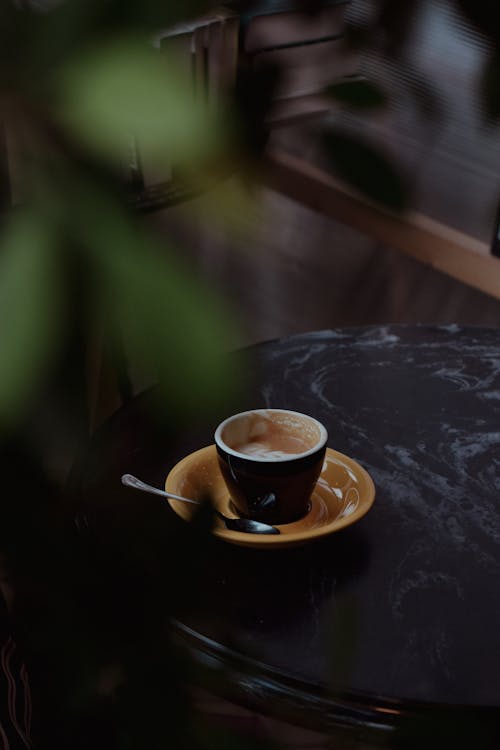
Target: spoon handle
(236, 524)
(137, 484)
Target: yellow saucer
(343, 494)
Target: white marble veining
(419, 407)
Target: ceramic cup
(270, 460)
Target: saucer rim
(281, 540)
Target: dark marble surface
(420, 409)
(405, 604)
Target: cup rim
(292, 456)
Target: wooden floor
(292, 270)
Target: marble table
(397, 618)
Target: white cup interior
(271, 435)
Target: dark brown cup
(271, 460)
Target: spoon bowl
(235, 524)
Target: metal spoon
(235, 524)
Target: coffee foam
(258, 450)
(272, 435)
(261, 450)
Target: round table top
(401, 609)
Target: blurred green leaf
(366, 168)
(125, 87)
(42, 34)
(170, 321)
(87, 19)
(30, 308)
(12, 36)
(358, 92)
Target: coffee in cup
(270, 460)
